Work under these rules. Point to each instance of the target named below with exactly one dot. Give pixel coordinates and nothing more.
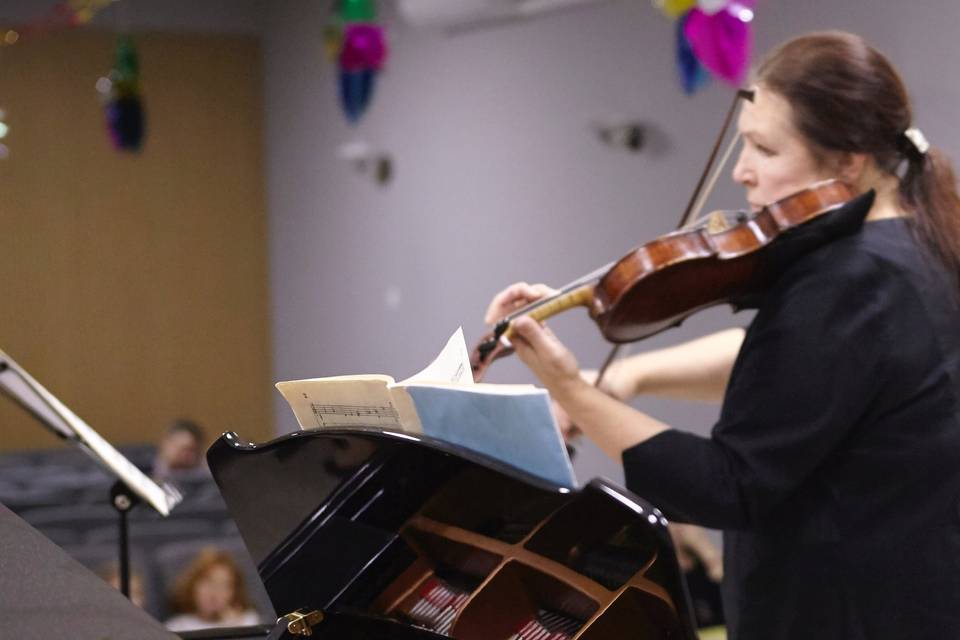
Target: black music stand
(132, 486)
(45, 592)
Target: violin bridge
(717, 223)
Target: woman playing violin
(834, 467)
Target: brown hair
(206, 559)
(847, 97)
(186, 425)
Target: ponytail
(846, 96)
(928, 189)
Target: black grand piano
(369, 534)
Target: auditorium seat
(99, 557)
(150, 533)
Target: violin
(660, 283)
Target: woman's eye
(762, 149)
(766, 151)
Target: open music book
(512, 423)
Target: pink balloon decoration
(364, 48)
(722, 41)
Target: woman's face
(213, 592)
(775, 160)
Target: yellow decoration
(674, 8)
(332, 41)
(83, 16)
(83, 13)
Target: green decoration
(358, 10)
(126, 68)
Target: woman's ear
(852, 167)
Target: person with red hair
(211, 593)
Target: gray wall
(500, 178)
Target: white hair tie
(917, 139)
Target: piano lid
(411, 530)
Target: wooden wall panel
(134, 286)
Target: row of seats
(158, 565)
(106, 530)
(52, 477)
(65, 495)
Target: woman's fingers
(504, 301)
(542, 351)
(513, 297)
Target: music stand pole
(123, 500)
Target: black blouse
(834, 469)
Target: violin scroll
(488, 349)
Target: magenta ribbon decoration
(722, 41)
(362, 55)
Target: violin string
(697, 200)
(567, 288)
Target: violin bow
(697, 198)
(699, 195)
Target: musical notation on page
(348, 415)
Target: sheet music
(512, 423)
(367, 400)
(348, 401)
(47, 408)
(451, 365)
(348, 415)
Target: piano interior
(475, 551)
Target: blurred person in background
(180, 450)
(110, 574)
(211, 593)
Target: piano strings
(547, 625)
(438, 605)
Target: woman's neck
(887, 202)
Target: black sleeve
(809, 367)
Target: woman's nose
(741, 172)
